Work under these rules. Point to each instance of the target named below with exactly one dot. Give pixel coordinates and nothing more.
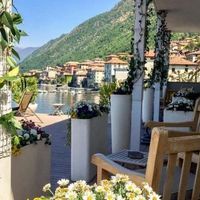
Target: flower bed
(118, 188)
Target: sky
(48, 19)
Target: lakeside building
(112, 65)
(95, 77)
(182, 70)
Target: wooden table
(122, 158)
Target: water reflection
(45, 101)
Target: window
(173, 69)
(186, 69)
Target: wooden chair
(23, 109)
(161, 178)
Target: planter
(120, 122)
(177, 116)
(88, 136)
(23, 176)
(147, 104)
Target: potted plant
(147, 103)
(88, 136)
(181, 107)
(119, 187)
(120, 118)
(30, 152)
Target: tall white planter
(147, 104)
(23, 176)
(88, 136)
(178, 116)
(120, 122)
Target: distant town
(184, 66)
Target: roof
(150, 54)
(114, 59)
(177, 60)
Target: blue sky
(48, 19)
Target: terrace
(173, 16)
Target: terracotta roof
(150, 54)
(114, 59)
(177, 60)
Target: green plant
(105, 92)
(10, 34)
(22, 84)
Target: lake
(45, 101)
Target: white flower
(119, 197)
(71, 187)
(137, 190)
(130, 186)
(71, 195)
(99, 189)
(110, 196)
(154, 196)
(63, 182)
(47, 187)
(140, 197)
(33, 132)
(26, 136)
(147, 188)
(89, 196)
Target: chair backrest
(25, 101)
(171, 143)
(196, 118)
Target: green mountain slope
(99, 36)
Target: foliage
(123, 88)
(119, 187)
(85, 110)
(105, 92)
(10, 34)
(28, 134)
(19, 86)
(183, 100)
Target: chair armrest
(152, 124)
(108, 165)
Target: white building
(112, 65)
(95, 76)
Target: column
(138, 48)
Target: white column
(139, 41)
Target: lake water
(45, 101)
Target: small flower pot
(88, 136)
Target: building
(115, 66)
(194, 56)
(182, 70)
(95, 77)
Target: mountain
(25, 52)
(104, 34)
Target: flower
(63, 182)
(154, 196)
(47, 187)
(130, 186)
(110, 196)
(71, 195)
(88, 195)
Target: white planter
(23, 176)
(147, 104)
(120, 122)
(177, 116)
(88, 136)
(33, 106)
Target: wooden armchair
(161, 178)
(193, 125)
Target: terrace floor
(56, 126)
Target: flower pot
(147, 104)
(177, 116)
(120, 122)
(23, 176)
(88, 136)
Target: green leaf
(4, 44)
(15, 54)
(23, 33)
(13, 73)
(7, 19)
(17, 34)
(11, 62)
(4, 34)
(17, 18)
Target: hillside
(25, 52)
(99, 36)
